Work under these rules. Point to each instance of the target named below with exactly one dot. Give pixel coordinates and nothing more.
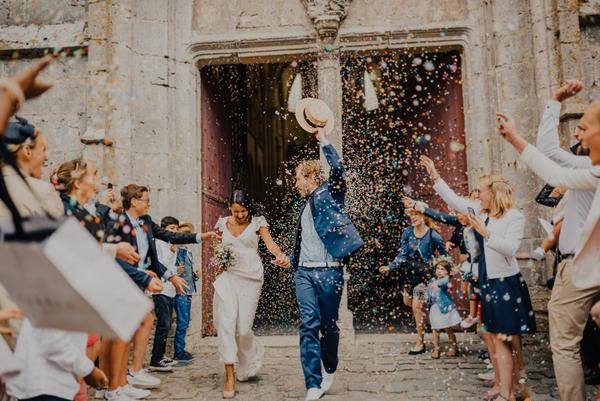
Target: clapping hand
(12, 312)
(478, 225)
(430, 167)
(508, 130)
(155, 286)
(569, 89)
(282, 261)
(180, 284)
(28, 80)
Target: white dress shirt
(142, 241)
(168, 259)
(586, 273)
(577, 206)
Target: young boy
(183, 302)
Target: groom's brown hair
(308, 168)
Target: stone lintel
(32, 37)
(235, 48)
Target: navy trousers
(319, 292)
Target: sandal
(417, 351)
(500, 397)
(435, 354)
(488, 396)
(452, 352)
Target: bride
(238, 288)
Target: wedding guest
(442, 310)
(418, 246)
(324, 237)
(163, 302)
(506, 306)
(238, 287)
(183, 302)
(579, 285)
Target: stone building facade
(130, 72)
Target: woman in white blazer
(505, 303)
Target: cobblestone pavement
(375, 368)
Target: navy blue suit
(319, 289)
(340, 236)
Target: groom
(324, 237)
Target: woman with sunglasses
(506, 305)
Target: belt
(566, 256)
(312, 265)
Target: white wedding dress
(237, 291)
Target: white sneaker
(314, 394)
(135, 393)
(142, 379)
(488, 376)
(327, 381)
(99, 393)
(117, 395)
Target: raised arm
(453, 200)
(543, 167)
(172, 237)
(337, 173)
(548, 141)
(402, 252)
(443, 218)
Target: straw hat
(313, 113)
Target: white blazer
(586, 265)
(506, 233)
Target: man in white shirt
(578, 282)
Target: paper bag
(69, 283)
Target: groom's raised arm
(337, 174)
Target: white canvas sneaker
(116, 395)
(135, 393)
(99, 393)
(327, 381)
(488, 376)
(142, 379)
(314, 394)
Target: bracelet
(15, 90)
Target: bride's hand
(281, 261)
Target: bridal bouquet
(225, 257)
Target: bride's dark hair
(241, 198)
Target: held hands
(430, 167)
(96, 379)
(211, 235)
(569, 89)
(282, 261)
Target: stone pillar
(327, 16)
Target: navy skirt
(506, 306)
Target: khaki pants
(568, 310)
